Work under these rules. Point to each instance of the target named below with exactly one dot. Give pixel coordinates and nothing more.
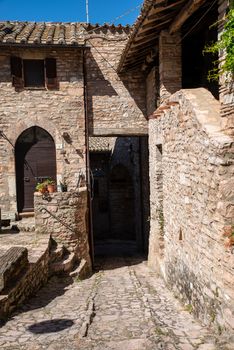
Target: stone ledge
(204, 107)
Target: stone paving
(35, 243)
(123, 306)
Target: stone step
(25, 225)
(64, 265)
(80, 270)
(57, 252)
(29, 214)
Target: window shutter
(16, 72)
(51, 73)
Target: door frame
(21, 182)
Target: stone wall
(57, 111)
(191, 196)
(170, 73)
(116, 104)
(145, 204)
(27, 284)
(226, 81)
(63, 216)
(152, 90)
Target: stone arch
(10, 172)
(42, 122)
(35, 161)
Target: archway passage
(35, 160)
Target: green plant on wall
(224, 43)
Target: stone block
(12, 264)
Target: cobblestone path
(121, 307)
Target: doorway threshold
(27, 214)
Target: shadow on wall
(116, 103)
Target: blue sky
(100, 11)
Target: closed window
(31, 73)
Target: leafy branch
(225, 45)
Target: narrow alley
(123, 305)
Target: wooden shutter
(51, 73)
(17, 72)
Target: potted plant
(50, 184)
(41, 187)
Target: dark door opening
(112, 206)
(120, 195)
(100, 194)
(35, 160)
(121, 204)
(195, 63)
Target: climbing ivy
(225, 42)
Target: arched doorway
(121, 204)
(35, 160)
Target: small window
(34, 75)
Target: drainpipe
(88, 181)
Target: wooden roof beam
(184, 14)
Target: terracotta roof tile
(51, 33)
(40, 33)
(100, 144)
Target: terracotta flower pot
(51, 188)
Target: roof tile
(51, 33)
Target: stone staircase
(22, 272)
(61, 260)
(64, 262)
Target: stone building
(78, 99)
(190, 153)
(59, 86)
(45, 69)
(59, 89)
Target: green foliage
(189, 308)
(43, 185)
(225, 43)
(40, 186)
(161, 332)
(49, 181)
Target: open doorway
(119, 204)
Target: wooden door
(35, 162)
